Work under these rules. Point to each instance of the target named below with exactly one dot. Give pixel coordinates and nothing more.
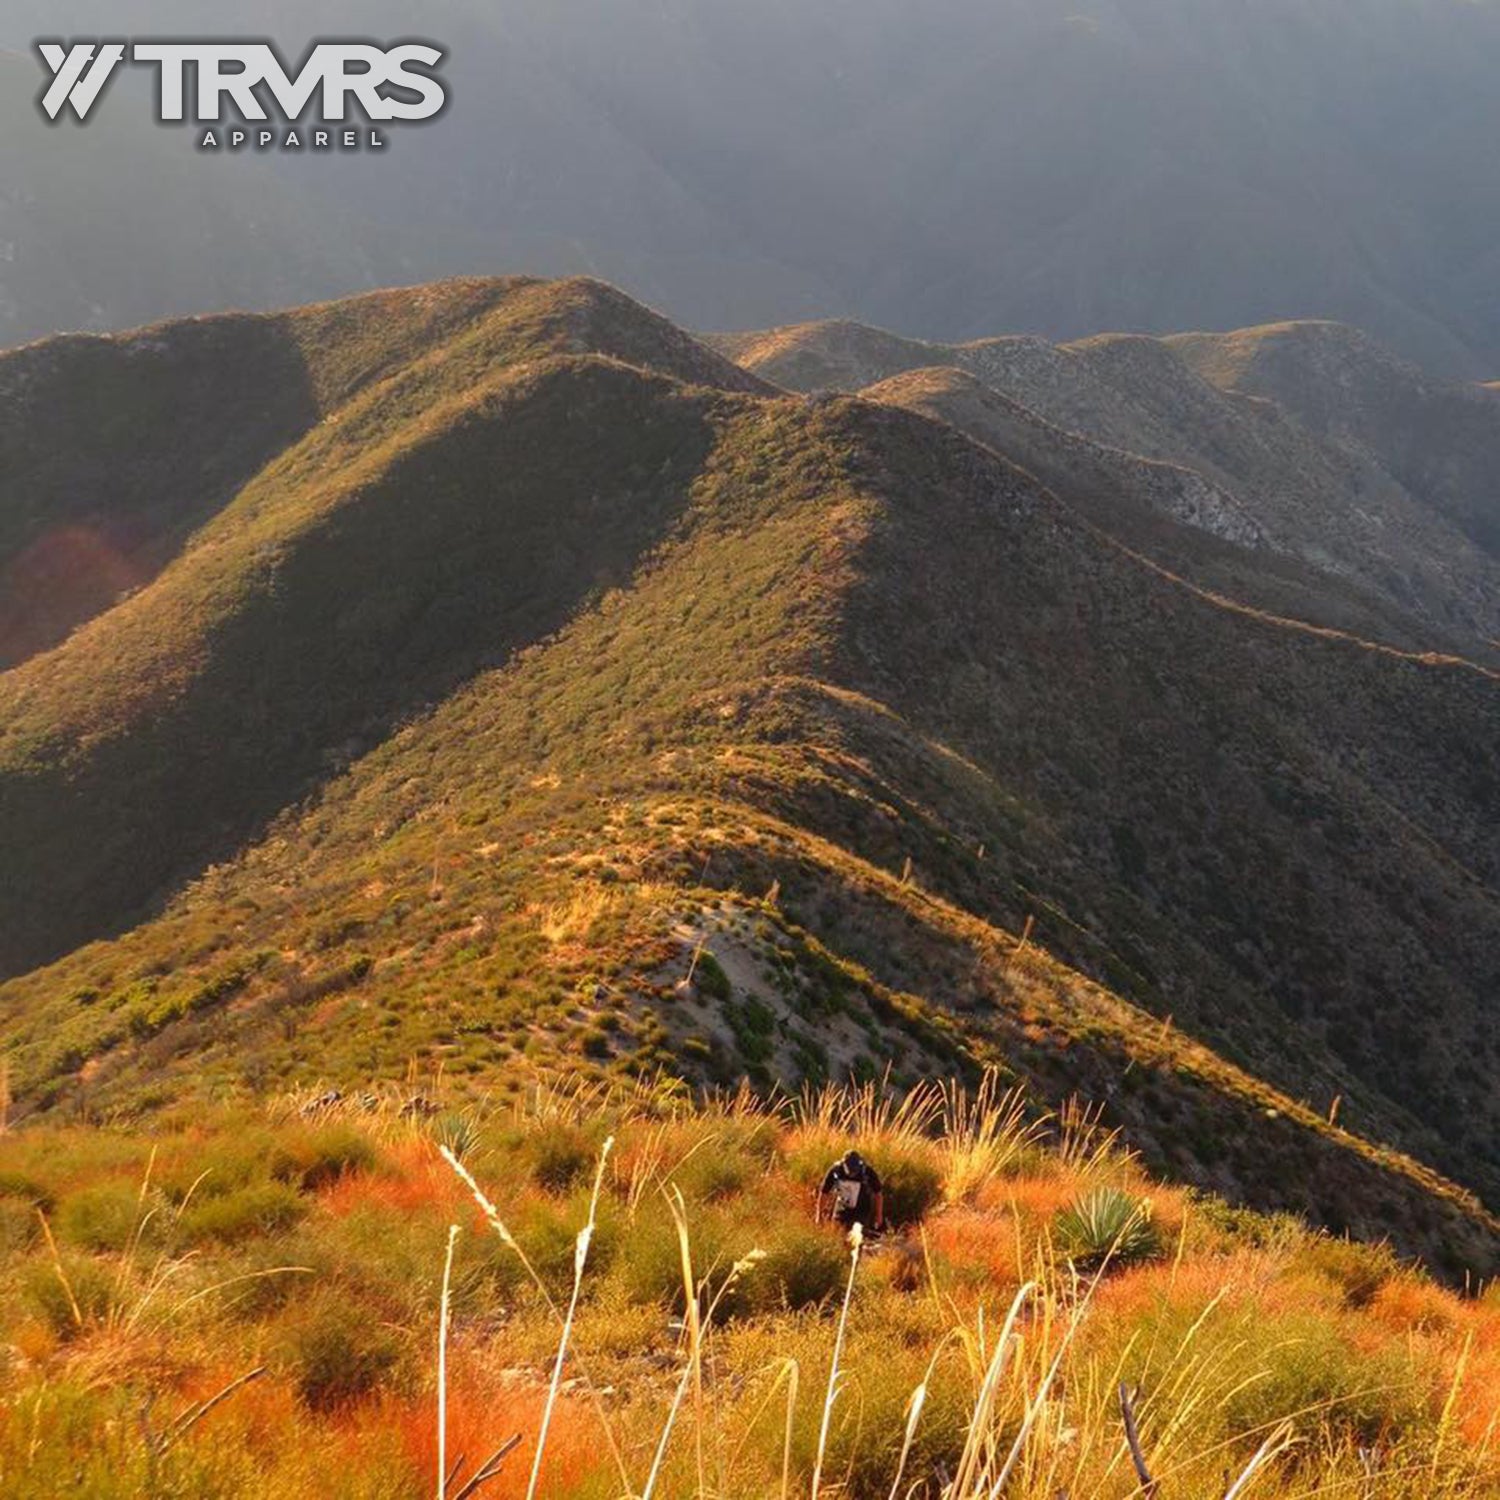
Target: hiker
(857, 1192)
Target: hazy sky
(945, 167)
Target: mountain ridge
(936, 769)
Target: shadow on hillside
(93, 502)
(483, 538)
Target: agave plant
(1106, 1225)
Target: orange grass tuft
(412, 1180)
(481, 1419)
(972, 1239)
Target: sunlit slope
(823, 687)
(454, 500)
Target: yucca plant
(1106, 1225)
(459, 1133)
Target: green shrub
(1359, 1271)
(19, 1226)
(711, 979)
(547, 1231)
(799, 1265)
(812, 1156)
(337, 1353)
(1214, 1221)
(1106, 1225)
(803, 1267)
(265, 1276)
(913, 1184)
(27, 1191)
(758, 1139)
(1272, 1363)
(79, 1289)
(561, 1156)
(594, 1041)
(712, 1173)
(104, 1217)
(261, 1208)
(319, 1157)
(651, 1257)
(880, 1374)
(220, 1165)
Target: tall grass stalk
(442, 1368)
(60, 1270)
(914, 1409)
(1084, 1144)
(1273, 1447)
(695, 1324)
(794, 1373)
(980, 1435)
(580, 1260)
(983, 1133)
(856, 1243)
(502, 1230)
(666, 1432)
(692, 1324)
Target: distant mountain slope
(551, 668)
(1388, 514)
(1182, 521)
(1439, 439)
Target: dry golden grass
(637, 1327)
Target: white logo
(210, 83)
(79, 74)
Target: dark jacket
(855, 1190)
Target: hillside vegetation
(1306, 445)
(617, 1293)
(565, 696)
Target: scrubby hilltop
(357, 576)
(565, 692)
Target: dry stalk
(580, 1260)
(1273, 1447)
(856, 1243)
(1149, 1487)
(442, 1369)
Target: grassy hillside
(93, 502)
(438, 513)
(748, 736)
(242, 1303)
